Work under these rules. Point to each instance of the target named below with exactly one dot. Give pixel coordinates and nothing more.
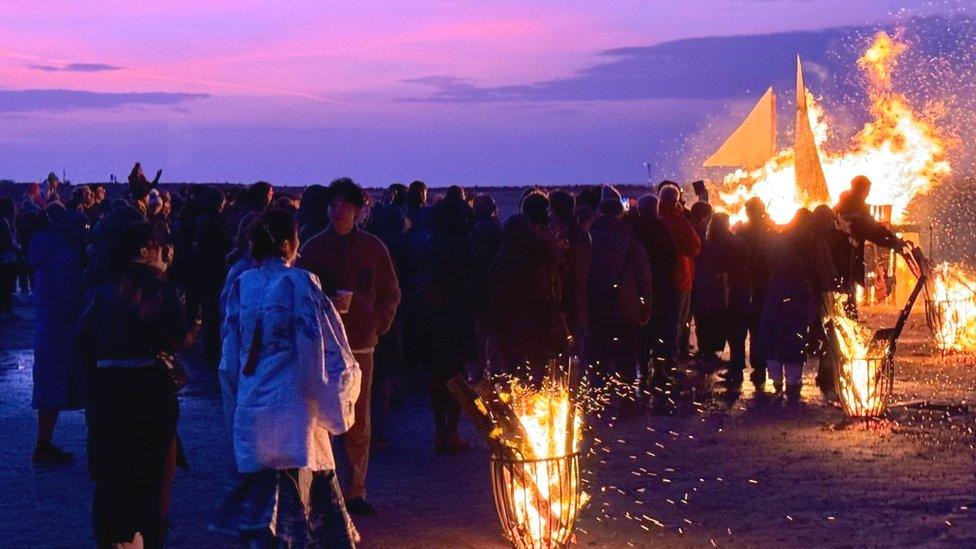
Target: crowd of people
(315, 310)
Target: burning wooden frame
(534, 435)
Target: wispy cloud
(697, 68)
(76, 67)
(716, 67)
(61, 100)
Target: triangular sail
(754, 141)
(811, 185)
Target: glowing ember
(901, 151)
(952, 308)
(543, 491)
(863, 371)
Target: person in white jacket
(289, 381)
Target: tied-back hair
(270, 231)
(128, 243)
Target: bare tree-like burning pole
(534, 435)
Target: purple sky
(470, 92)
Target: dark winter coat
(575, 249)
(56, 257)
(721, 279)
(861, 225)
(619, 292)
(756, 237)
(617, 255)
(789, 305)
(446, 298)
(524, 301)
(487, 239)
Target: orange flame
(953, 306)
(901, 151)
(544, 508)
(861, 378)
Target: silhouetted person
(140, 187)
(756, 234)
(619, 291)
(388, 223)
(654, 237)
(9, 255)
(487, 237)
(449, 308)
(687, 245)
(718, 283)
(789, 307)
(211, 245)
(313, 213)
(256, 199)
(525, 299)
(856, 220)
(536, 206)
(131, 327)
(56, 255)
(575, 248)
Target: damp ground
(719, 471)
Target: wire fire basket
(864, 385)
(537, 500)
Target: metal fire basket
(537, 500)
(864, 385)
(949, 320)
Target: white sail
(811, 186)
(754, 141)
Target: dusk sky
(469, 92)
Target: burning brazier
(534, 434)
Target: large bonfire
(902, 151)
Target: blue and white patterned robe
(305, 381)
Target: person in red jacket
(356, 271)
(686, 247)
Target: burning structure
(901, 150)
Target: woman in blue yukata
(289, 381)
